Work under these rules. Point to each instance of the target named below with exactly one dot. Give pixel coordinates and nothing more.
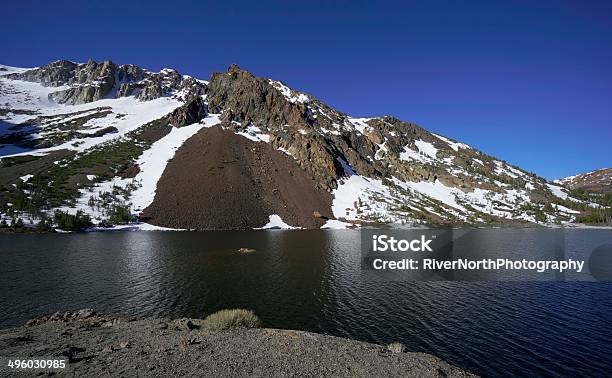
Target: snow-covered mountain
(236, 152)
(599, 181)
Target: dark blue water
(312, 280)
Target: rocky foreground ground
(96, 345)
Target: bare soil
(220, 180)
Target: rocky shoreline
(105, 345)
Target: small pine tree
(44, 225)
(69, 222)
(540, 217)
(548, 208)
(18, 223)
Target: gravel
(97, 345)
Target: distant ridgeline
(100, 144)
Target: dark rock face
(90, 82)
(148, 92)
(192, 112)
(190, 88)
(129, 73)
(245, 99)
(93, 72)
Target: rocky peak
(129, 73)
(92, 72)
(233, 68)
(93, 81)
(294, 121)
(54, 74)
(89, 82)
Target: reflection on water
(312, 280)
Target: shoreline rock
(101, 345)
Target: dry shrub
(229, 319)
(396, 348)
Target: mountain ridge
(373, 170)
(599, 180)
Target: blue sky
(528, 82)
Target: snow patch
(454, 145)
(360, 124)
(557, 191)
(255, 134)
(335, 224)
(136, 226)
(134, 114)
(275, 222)
(291, 95)
(426, 148)
(408, 154)
(350, 192)
(284, 150)
(437, 191)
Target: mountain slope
(221, 180)
(599, 181)
(117, 141)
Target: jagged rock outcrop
(248, 100)
(193, 111)
(189, 88)
(90, 82)
(93, 81)
(53, 74)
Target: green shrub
(69, 222)
(44, 225)
(229, 319)
(540, 217)
(119, 215)
(596, 216)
